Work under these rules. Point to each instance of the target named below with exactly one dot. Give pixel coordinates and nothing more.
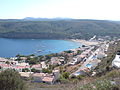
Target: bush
(25, 70)
(46, 70)
(10, 80)
(63, 80)
(80, 77)
(33, 70)
(33, 61)
(112, 74)
(66, 75)
(79, 52)
(99, 85)
(69, 51)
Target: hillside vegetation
(62, 29)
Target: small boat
(39, 50)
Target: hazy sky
(82, 9)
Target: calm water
(12, 47)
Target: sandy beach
(85, 42)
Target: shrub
(99, 85)
(112, 74)
(80, 77)
(63, 80)
(66, 75)
(10, 80)
(34, 70)
(25, 70)
(46, 70)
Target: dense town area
(58, 67)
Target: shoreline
(82, 41)
(85, 42)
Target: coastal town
(59, 45)
(48, 68)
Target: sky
(77, 9)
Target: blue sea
(12, 47)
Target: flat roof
(48, 79)
(39, 74)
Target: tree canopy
(11, 80)
(63, 29)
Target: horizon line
(56, 18)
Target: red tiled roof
(36, 66)
(22, 67)
(5, 65)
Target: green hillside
(61, 29)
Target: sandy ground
(85, 42)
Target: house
(13, 65)
(3, 60)
(25, 74)
(55, 61)
(101, 55)
(20, 68)
(43, 64)
(62, 61)
(13, 58)
(37, 77)
(48, 79)
(23, 58)
(5, 66)
(75, 60)
(13, 62)
(22, 64)
(56, 74)
(37, 66)
(116, 61)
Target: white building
(116, 61)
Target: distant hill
(45, 19)
(57, 29)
